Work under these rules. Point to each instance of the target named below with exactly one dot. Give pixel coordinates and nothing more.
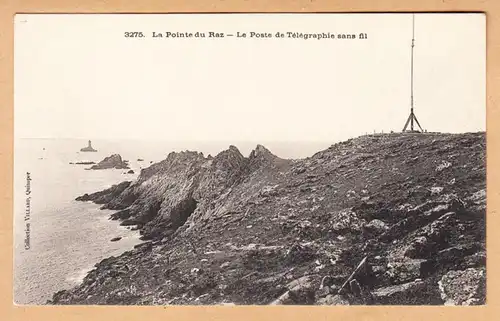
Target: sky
(78, 76)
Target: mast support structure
(412, 119)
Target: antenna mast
(412, 118)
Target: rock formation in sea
(82, 163)
(89, 148)
(113, 161)
(379, 219)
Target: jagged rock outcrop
(105, 196)
(113, 161)
(231, 229)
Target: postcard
(250, 159)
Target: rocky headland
(114, 161)
(379, 219)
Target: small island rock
(83, 163)
(113, 161)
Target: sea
(58, 240)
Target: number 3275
(134, 34)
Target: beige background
(9, 312)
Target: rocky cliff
(404, 212)
(113, 161)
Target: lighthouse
(89, 148)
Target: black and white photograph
(250, 159)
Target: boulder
(372, 246)
(439, 213)
(298, 253)
(438, 230)
(333, 300)
(114, 239)
(324, 291)
(346, 221)
(400, 294)
(406, 270)
(303, 282)
(300, 291)
(376, 227)
(457, 253)
(467, 287)
(419, 247)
